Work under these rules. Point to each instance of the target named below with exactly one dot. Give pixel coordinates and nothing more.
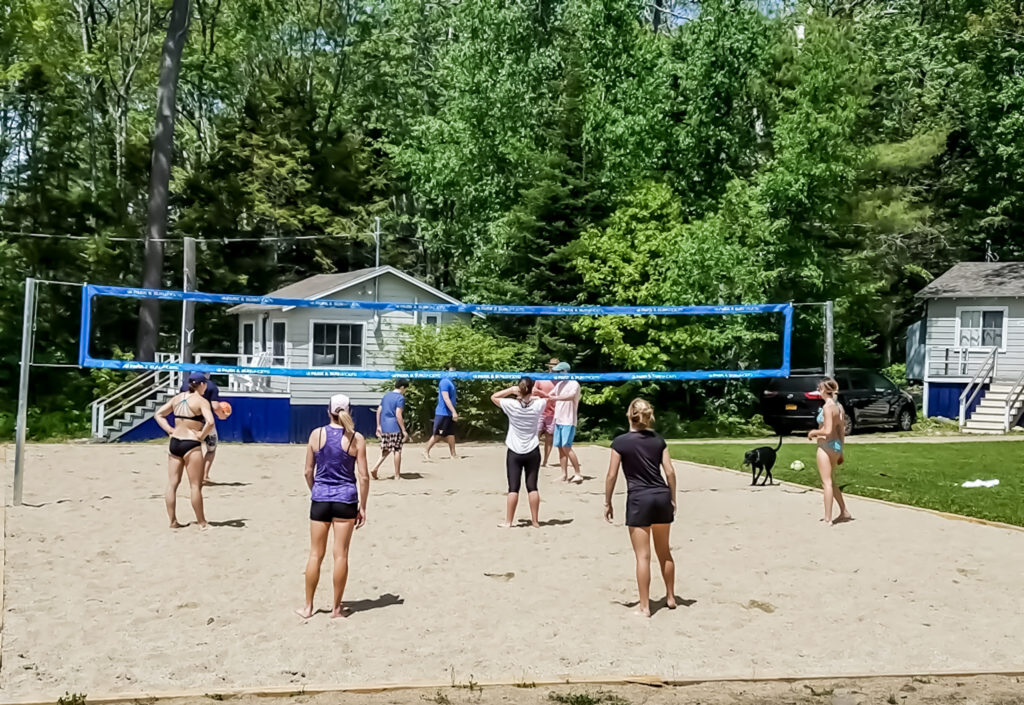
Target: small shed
(969, 348)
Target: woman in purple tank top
(339, 482)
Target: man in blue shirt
(445, 416)
(212, 395)
(391, 427)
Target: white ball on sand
(796, 465)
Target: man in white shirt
(567, 402)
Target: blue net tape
(91, 291)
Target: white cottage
(332, 337)
(969, 349)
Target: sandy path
(101, 597)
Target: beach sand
(101, 597)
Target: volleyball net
(92, 292)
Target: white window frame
(247, 356)
(982, 309)
(270, 347)
(336, 322)
(425, 322)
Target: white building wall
(942, 335)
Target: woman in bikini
(831, 438)
(193, 421)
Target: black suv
(791, 403)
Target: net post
(85, 325)
(26, 363)
(787, 340)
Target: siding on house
(381, 343)
(941, 331)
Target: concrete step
(984, 426)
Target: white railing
(132, 393)
(942, 361)
(1012, 399)
(984, 375)
(246, 382)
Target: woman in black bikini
(193, 420)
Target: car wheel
(904, 419)
(849, 423)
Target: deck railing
(982, 377)
(957, 362)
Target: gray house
(969, 349)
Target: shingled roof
(976, 280)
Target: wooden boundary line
(651, 681)
(926, 510)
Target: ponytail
(343, 418)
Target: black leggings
(517, 464)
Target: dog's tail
(780, 442)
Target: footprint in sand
(758, 605)
(501, 576)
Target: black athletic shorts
(648, 507)
(329, 511)
(519, 464)
(444, 426)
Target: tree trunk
(160, 174)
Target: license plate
(790, 407)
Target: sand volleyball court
(102, 598)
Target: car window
(860, 380)
(880, 382)
(793, 384)
(844, 382)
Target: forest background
(528, 151)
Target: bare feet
(373, 474)
(843, 518)
(340, 611)
(176, 525)
(398, 476)
(204, 526)
(426, 456)
(535, 524)
(641, 612)
(670, 602)
(504, 525)
(305, 612)
(578, 479)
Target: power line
(66, 236)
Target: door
(885, 399)
(248, 341)
(857, 398)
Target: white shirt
(567, 412)
(523, 423)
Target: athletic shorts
(211, 442)
(564, 436)
(649, 507)
(392, 442)
(546, 425)
(519, 464)
(329, 511)
(444, 426)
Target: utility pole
(830, 350)
(188, 308)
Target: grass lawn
(921, 474)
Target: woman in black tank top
(193, 421)
(650, 499)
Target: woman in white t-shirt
(523, 456)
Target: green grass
(920, 474)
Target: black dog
(761, 459)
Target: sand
(102, 598)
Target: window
(248, 336)
(981, 328)
(431, 319)
(278, 336)
(337, 344)
(880, 383)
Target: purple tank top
(335, 476)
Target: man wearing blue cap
(212, 395)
